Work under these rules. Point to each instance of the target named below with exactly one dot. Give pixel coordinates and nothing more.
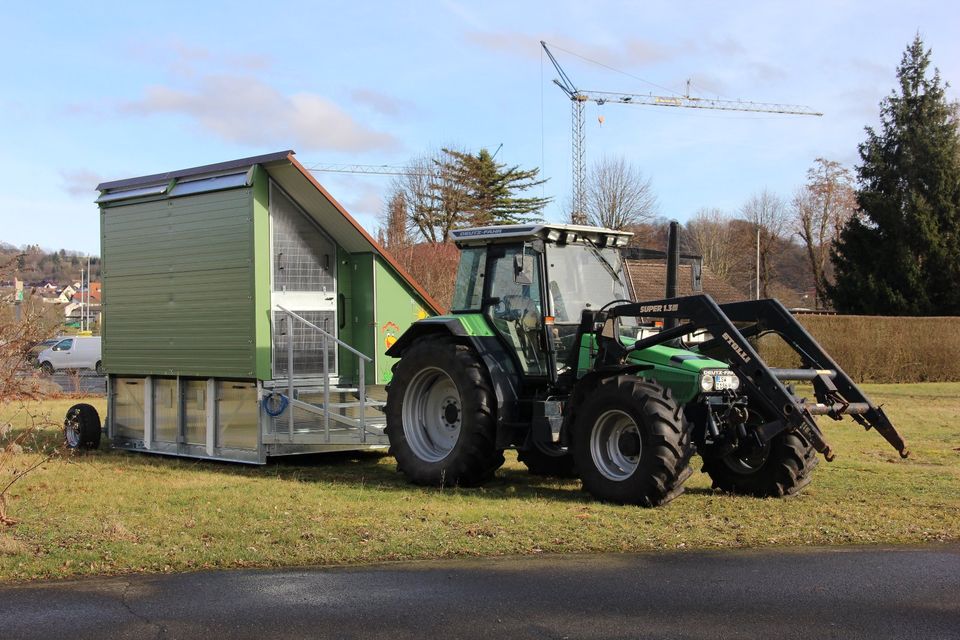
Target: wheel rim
(432, 414)
(71, 432)
(616, 445)
(747, 462)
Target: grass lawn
(114, 512)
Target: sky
(100, 91)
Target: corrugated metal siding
(177, 286)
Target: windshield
(583, 277)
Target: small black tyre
(549, 460)
(81, 427)
(781, 468)
(441, 415)
(99, 368)
(632, 443)
(46, 368)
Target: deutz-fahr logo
(654, 308)
(735, 347)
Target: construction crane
(579, 98)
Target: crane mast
(579, 98)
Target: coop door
(304, 281)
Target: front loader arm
(836, 394)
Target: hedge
(880, 349)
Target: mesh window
(307, 343)
(304, 257)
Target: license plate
(721, 383)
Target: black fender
(427, 326)
(503, 375)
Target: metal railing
(362, 360)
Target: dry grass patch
(114, 512)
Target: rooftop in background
(649, 279)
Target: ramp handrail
(362, 358)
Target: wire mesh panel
(304, 257)
(307, 343)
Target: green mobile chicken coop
(245, 314)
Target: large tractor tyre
(780, 468)
(81, 427)
(441, 415)
(549, 460)
(632, 443)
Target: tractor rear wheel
(550, 460)
(780, 468)
(631, 443)
(441, 418)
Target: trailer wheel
(632, 443)
(781, 468)
(548, 460)
(81, 427)
(440, 415)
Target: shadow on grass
(370, 470)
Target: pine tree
(492, 188)
(901, 255)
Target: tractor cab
(532, 283)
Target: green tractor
(545, 351)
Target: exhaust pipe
(673, 268)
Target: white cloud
(381, 102)
(248, 111)
(630, 52)
(80, 182)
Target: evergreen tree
(492, 188)
(901, 255)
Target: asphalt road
(815, 593)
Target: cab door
(516, 306)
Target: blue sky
(96, 91)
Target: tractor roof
(565, 233)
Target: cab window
(517, 308)
(64, 345)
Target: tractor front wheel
(782, 467)
(441, 418)
(631, 443)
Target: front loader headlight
(718, 380)
(706, 382)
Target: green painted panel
(362, 316)
(398, 307)
(261, 274)
(179, 286)
(345, 324)
(475, 324)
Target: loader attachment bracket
(731, 325)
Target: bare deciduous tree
(434, 198)
(712, 236)
(394, 231)
(820, 210)
(618, 195)
(768, 214)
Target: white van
(72, 352)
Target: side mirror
(523, 266)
